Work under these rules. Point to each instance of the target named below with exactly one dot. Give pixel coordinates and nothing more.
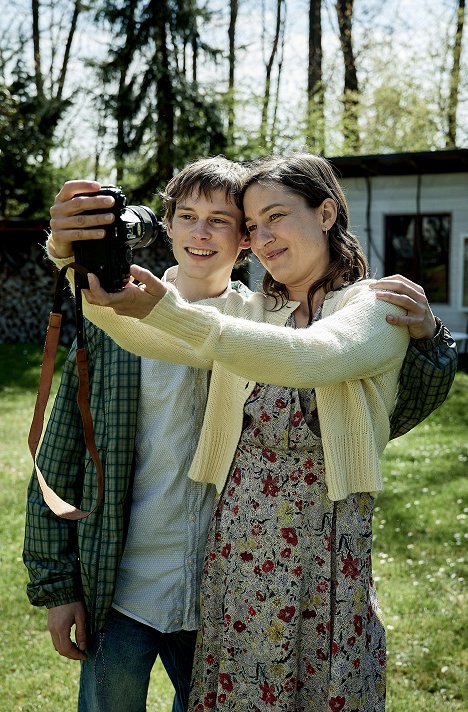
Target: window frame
(418, 217)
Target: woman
(289, 612)
(290, 618)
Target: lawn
(420, 534)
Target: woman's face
(288, 236)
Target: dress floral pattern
(289, 611)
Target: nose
(260, 237)
(201, 230)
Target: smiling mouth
(276, 253)
(202, 253)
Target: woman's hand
(410, 296)
(134, 300)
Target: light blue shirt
(158, 581)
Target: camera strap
(57, 505)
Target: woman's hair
(313, 178)
(202, 177)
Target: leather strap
(57, 505)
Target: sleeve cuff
(425, 345)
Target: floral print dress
(289, 611)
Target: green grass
(420, 534)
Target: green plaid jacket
(69, 561)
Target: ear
(169, 230)
(328, 212)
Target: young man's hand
(61, 619)
(133, 300)
(410, 296)
(68, 224)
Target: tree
(162, 114)
(344, 9)
(234, 9)
(34, 104)
(451, 135)
(315, 92)
(279, 29)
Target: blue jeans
(115, 676)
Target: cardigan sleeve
(353, 342)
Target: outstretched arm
(430, 363)
(352, 343)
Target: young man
(128, 576)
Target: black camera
(110, 258)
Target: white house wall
(397, 195)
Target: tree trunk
(66, 54)
(122, 99)
(164, 101)
(315, 94)
(451, 137)
(234, 8)
(344, 9)
(194, 58)
(268, 70)
(37, 49)
(278, 84)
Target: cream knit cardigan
(352, 357)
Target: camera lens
(149, 223)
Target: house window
(417, 246)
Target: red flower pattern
(225, 681)
(350, 567)
(268, 565)
(270, 486)
(310, 478)
(210, 700)
(289, 534)
(268, 693)
(239, 626)
(287, 613)
(269, 454)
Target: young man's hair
(202, 177)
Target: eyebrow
(213, 212)
(267, 208)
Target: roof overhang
(402, 164)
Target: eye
(185, 216)
(219, 221)
(275, 216)
(251, 228)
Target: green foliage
(27, 136)
(28, 178)
(398, 118)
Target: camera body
(110, 258)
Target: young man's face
(206, 234)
